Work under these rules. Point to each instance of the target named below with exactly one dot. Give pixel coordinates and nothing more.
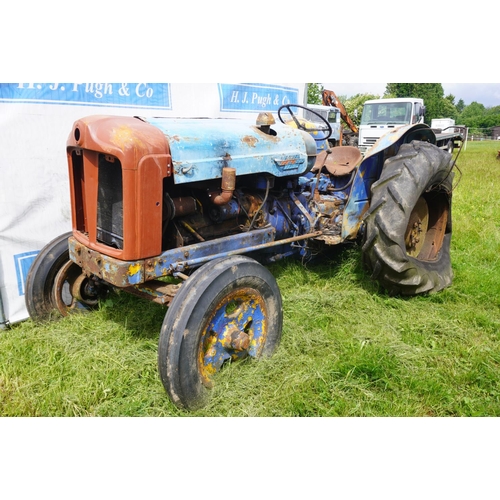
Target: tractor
(188, 213)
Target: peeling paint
(134, 269)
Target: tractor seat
(338, 161)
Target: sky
(487, 94)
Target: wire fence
(484, 134)
(482, 137)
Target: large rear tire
(229, 309)
(408, 226)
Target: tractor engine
(156, 197)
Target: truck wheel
(229, 309)
(408, 226)
(56, 284)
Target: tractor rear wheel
(408, 226)
(229, 309)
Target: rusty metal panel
(201, 148)
(130, 273)
(156, 291)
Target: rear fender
(370, 169)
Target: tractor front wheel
(408, 226)
(229, 309)
(55, 284)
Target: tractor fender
(370, 169)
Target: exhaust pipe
(228, 185)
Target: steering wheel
(327, 130)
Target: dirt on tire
(421, 173)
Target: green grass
(348, 349)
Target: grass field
(348, 349)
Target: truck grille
(370, 141)
(110, 202)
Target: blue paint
(240, 314)
(174, 260)
(255, 97)
(129, 95)
(190, 256)
(201, 148)
(370, 170)
(23, 262)
(136, 278)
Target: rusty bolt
(240, 341)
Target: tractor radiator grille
(79, 191)
(110, 202)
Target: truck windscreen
(386, 113)
(330, 116)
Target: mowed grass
(348, 349)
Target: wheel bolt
(239, 340)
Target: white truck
(440, 124)
(380, 116)
(332, 115)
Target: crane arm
(330, 99)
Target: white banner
(35, 121)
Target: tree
(354, 105)
(479, 119)
(314, 93)
(474, 108)
(447, 109)
(451, 98)
(472, 115)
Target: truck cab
(383, 115)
